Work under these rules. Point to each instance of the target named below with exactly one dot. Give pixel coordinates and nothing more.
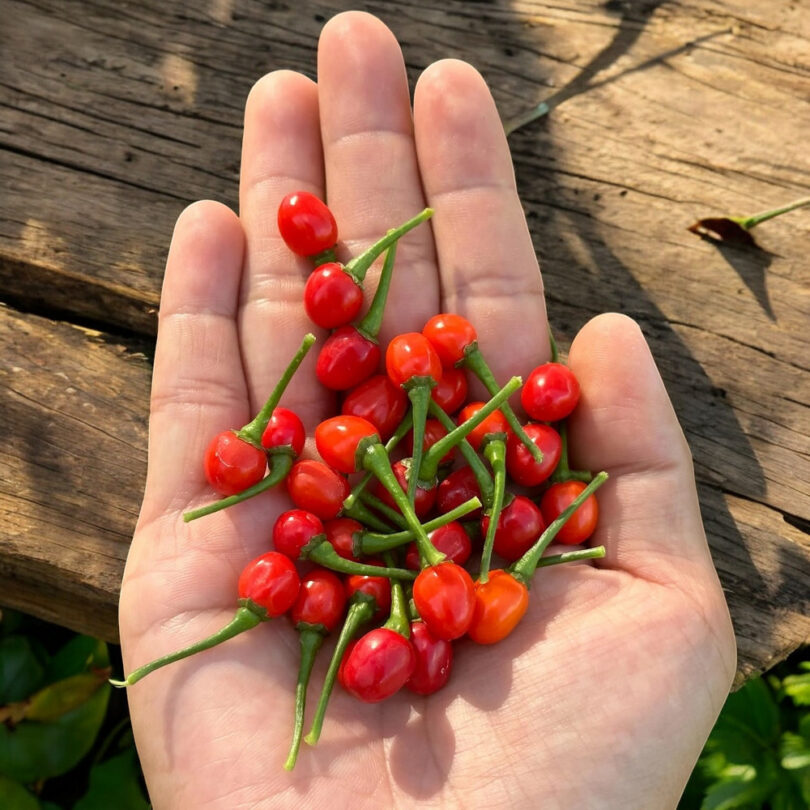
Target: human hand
(604, 695)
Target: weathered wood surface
(114, 116)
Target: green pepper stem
(280, 465)
(398, 435)
(524, 568)
(562, 472)
(371, 322)
(398, 620)
(358, 613)
(472, 458)
(373, 543)
(359, 265)
(495, 452)
(439, 450)
(595, 553)
(310, 642)
(373, 502)
(324, 257)
(252, 431)
(245, 618)
(375, 459)
(324, 554)
(749, 222)
(418, 389)
(474, 360)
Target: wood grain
(113, 118)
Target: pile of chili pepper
(392, 533)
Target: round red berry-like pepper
(451, 390)
(520, 524)
(284, 429)
(581, 525)
(494, 423)
(450, 539)
(232, 464)
(378, 665)
(423, 498)
(445, 598)
(520, 464)
(347, 357)
(342, 533)
(433, 661)
(268, 587)
(319, 489)
(551, 393)
(306, 224)
(378, 400)
(294, 530)
(500, 604)
(458, 487)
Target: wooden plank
(75, 408)
(113, 117)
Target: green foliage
(757, 756)
(54, 702)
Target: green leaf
(742, 787)
(797, 687)
(794, 751)
(33, 751)
(787, 797)
(21, 673)
(63, 696)
(80, 654)
(15, 796)
(754, 710)
(115, 783)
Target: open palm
(606, 692)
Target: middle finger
(372, 174)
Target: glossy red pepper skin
(332, 298)
(520, 524)
(293, 530)
(377, 665)
(500, 604)
(581, 525)
(232, 465)
(450, 392)
(379, 588)
(270, 581)
(550, 393)
(494, 423)
(458, 487)
(284, 429)
(433, 432)
(444, 597)
(338, 439)
(306, 224)
(410, 355)
(450, 539)
(450, 334)
(340, 532)
(520, 465)
(346, 359)
(433, 661)
(321, 601)
(319, 489)
(424, 498)
(379, 401)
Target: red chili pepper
(494, 423)
(378, 665)
(500, 604)
(295, 529)
(551, 393)
(433, 432)
(434, 661)
(317, 488)
(320, 605)
(411, 362)
(458, 487)
(520, 465)
(379, 401)
(306, 224)
(444, 597)
(580, 526)
(284, 429)
(267, 588)
(333, 294)
(456, 341)
(451, 390)
(451, 539)
(233, 464)
(424, 496)
(520, 524)
(343, 533)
